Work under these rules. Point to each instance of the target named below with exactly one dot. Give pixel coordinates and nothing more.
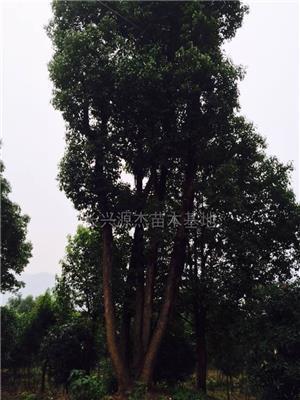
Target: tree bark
(173, 280)
(133, 302)
(43, 378)
(139, 299)
(125, 333)
(201, 352)
(128, 304)
(109, 313)
(160, 191)
(149, 292)
(200, 312)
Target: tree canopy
(146, 88)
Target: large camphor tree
(145, 88)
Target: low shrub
(107, 376)
(139, 392)
(86, 387)
(184, 393)
(28, 396)
(68, 347)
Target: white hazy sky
(33, 132)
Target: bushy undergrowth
(185, 393)
(94, 386)
(28, 396)
(139, 392)
(86, 387)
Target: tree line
(57, 341)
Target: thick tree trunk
(201, 352)
(172, 284)
(109, 312)
(173, 280)
(43, 378)
(227, 388)
(149, 292)
(133, 301)
(125, 334)
(160, 191)
(200, 312)
(139, 299)
(128, 304)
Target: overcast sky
(33, 133)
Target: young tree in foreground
(80, 281)
(80, 285)
(26, 323)
(69, 346)
(273, 333)
(15, 249)
(143, 87)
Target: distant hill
(35, 284)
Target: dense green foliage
(68, 347)
(273, 331)
(15, 249)
(80, 285)
(27, 322)
(258, 338)
(87, 387)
